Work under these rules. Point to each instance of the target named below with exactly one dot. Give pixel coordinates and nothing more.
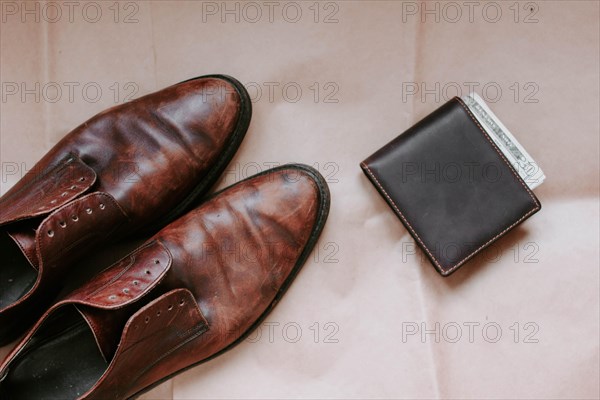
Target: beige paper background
(361, 279)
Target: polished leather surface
(191, 292)
(131, 168)
(450, 186)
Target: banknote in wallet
(521, 161)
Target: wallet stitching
(517, 177)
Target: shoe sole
(324, 205)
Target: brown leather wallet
(450, 185)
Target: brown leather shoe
(134, 167)
(193, 291)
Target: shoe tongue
(24, 236)
(113, 296)
(107, 325)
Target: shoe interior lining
(17, 276)
(61, 361)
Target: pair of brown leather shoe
(192, 291)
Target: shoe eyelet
(63, 194)
(75, 218)
(148, 272)
(126, 290)
(73, 187)
(147, 319)
(170, 307)
(112, 297)
(158, 313)
(62, 224)
(102, 206)
(88, 210)
(136, 283)
(82, 179)
(157, 261)
(181, 302)
(53, 201)
(50, 232)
